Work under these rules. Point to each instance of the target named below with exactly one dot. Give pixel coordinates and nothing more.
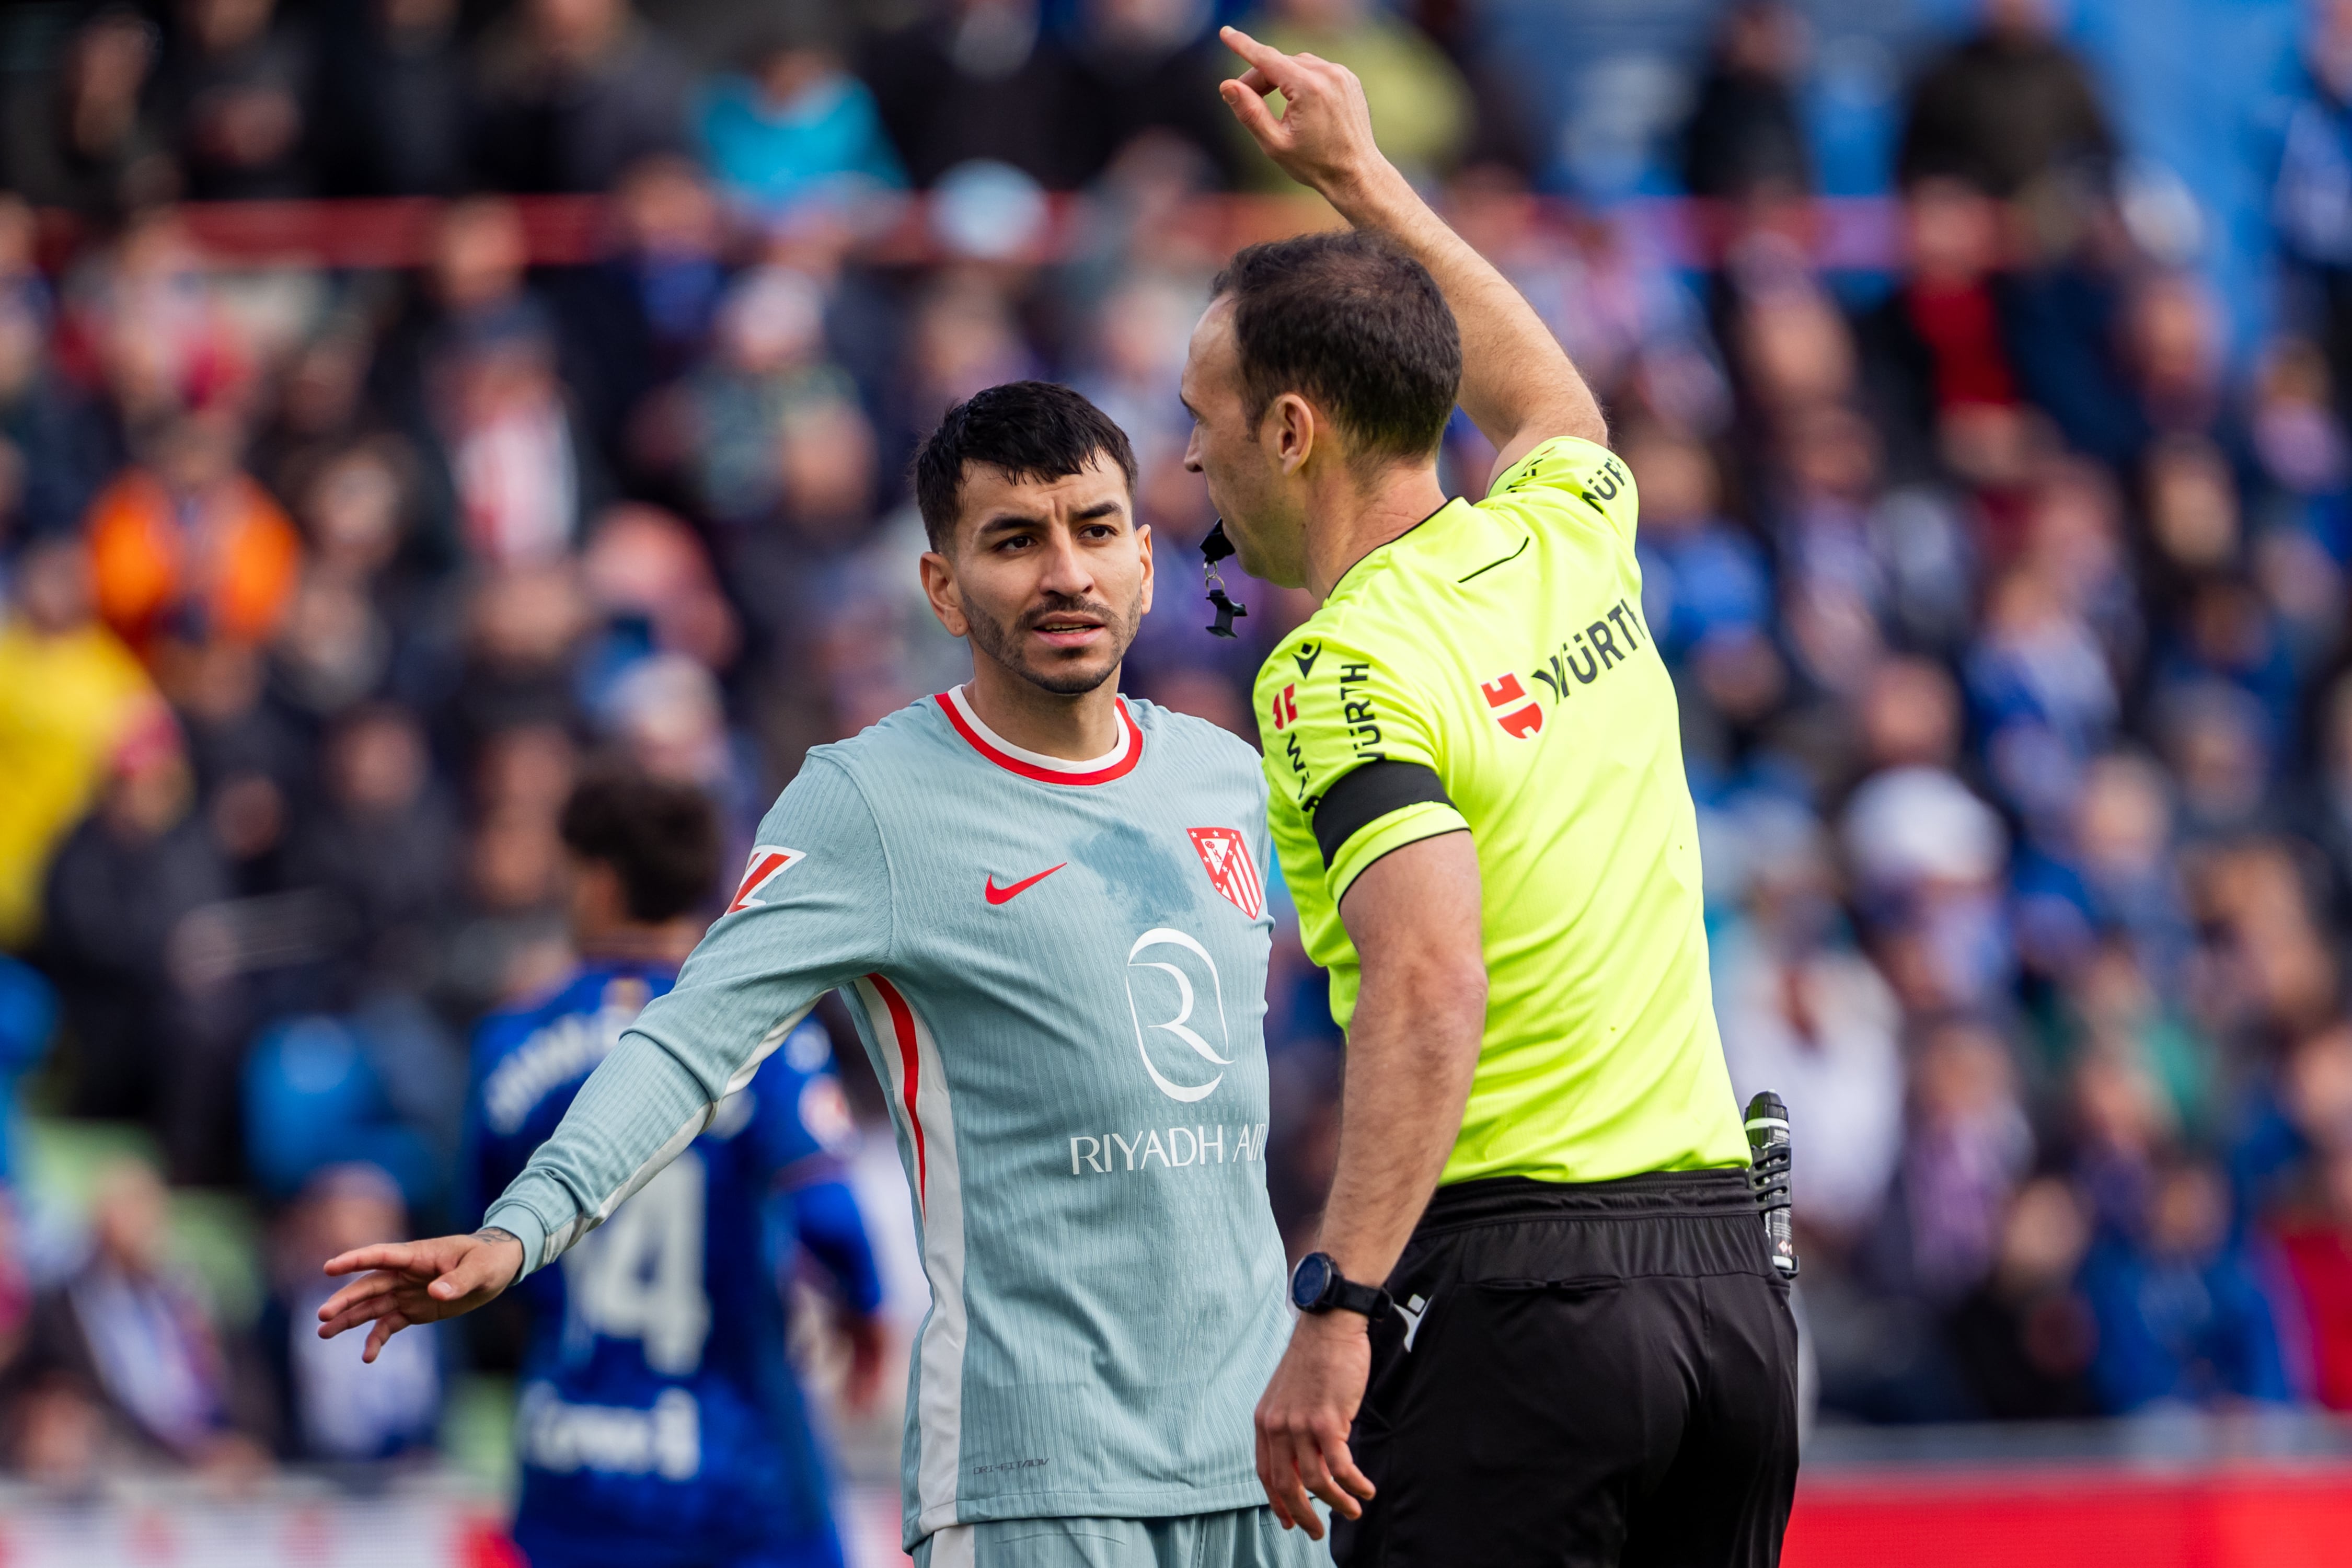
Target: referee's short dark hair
(1356, 325)
(660, 839)
(1028, 430)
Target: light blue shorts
(1238, 1538)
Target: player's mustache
(1098, 610)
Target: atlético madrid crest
(1224, 854)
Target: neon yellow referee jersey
(1491, 671)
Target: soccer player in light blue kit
(661, 1425)
(1048, 906)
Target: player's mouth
(1067, 629)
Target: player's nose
(1066, 570)
(1192, 451)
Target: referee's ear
(1288, 431)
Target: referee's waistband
(1655, 1195)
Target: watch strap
(1346, 1296)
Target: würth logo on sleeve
(767, 861)
(1224, 854)
(1519, 716)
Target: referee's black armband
(1362, 797)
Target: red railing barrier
(2268, 1516)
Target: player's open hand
(405, 1282)
(1324, 138)
(1303, 1420)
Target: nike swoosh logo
(997, 895)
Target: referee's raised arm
(1519, 385)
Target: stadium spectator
(395, 110)
(379, 841)
(139, 985)
(794, 125)
(328, 1406)
(68, 689)
(2312, 202)
(2006, 108)
(2180, 1306)
(572, 92)
(1745, 139)
(239, 90)
(85, 139)
(1935, 349)
(2022, 1340)
(188, 546)
(128, 1340)
(983, 80)
(1154, 68)
(1807, 1016)
(768, 359)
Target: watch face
(1314, 1276)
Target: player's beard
(1007, 645)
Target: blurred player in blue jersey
(660, 1425)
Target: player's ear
(1143, 547)
(939, 586)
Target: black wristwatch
(1316, 1285)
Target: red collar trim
(1032, 764)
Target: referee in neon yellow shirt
(1543, 1325)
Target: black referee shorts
(1600, 1374)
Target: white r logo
(1180, 1025)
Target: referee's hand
(1324, 138)
(1303, 1421)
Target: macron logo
(767, 861)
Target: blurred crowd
(2006, 595)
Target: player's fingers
(353, 1316)
(1266, 1482)
(365, 1289)
(1257, 81)
(384, 1255)
(381, 1335)
(1287, 1461)
(477, 1270)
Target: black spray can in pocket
(1768, 1145)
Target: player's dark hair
(1024, 429)
(660, 839)
(1355, 325)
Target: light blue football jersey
(1058, 970)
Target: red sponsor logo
(1285, 708)
(997, 895)
(1225, 855)
(767, 861)
(1524, 717)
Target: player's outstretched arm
(1517, 384)
(406, 1282)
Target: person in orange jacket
(189, 546)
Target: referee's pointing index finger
(1276, 67)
